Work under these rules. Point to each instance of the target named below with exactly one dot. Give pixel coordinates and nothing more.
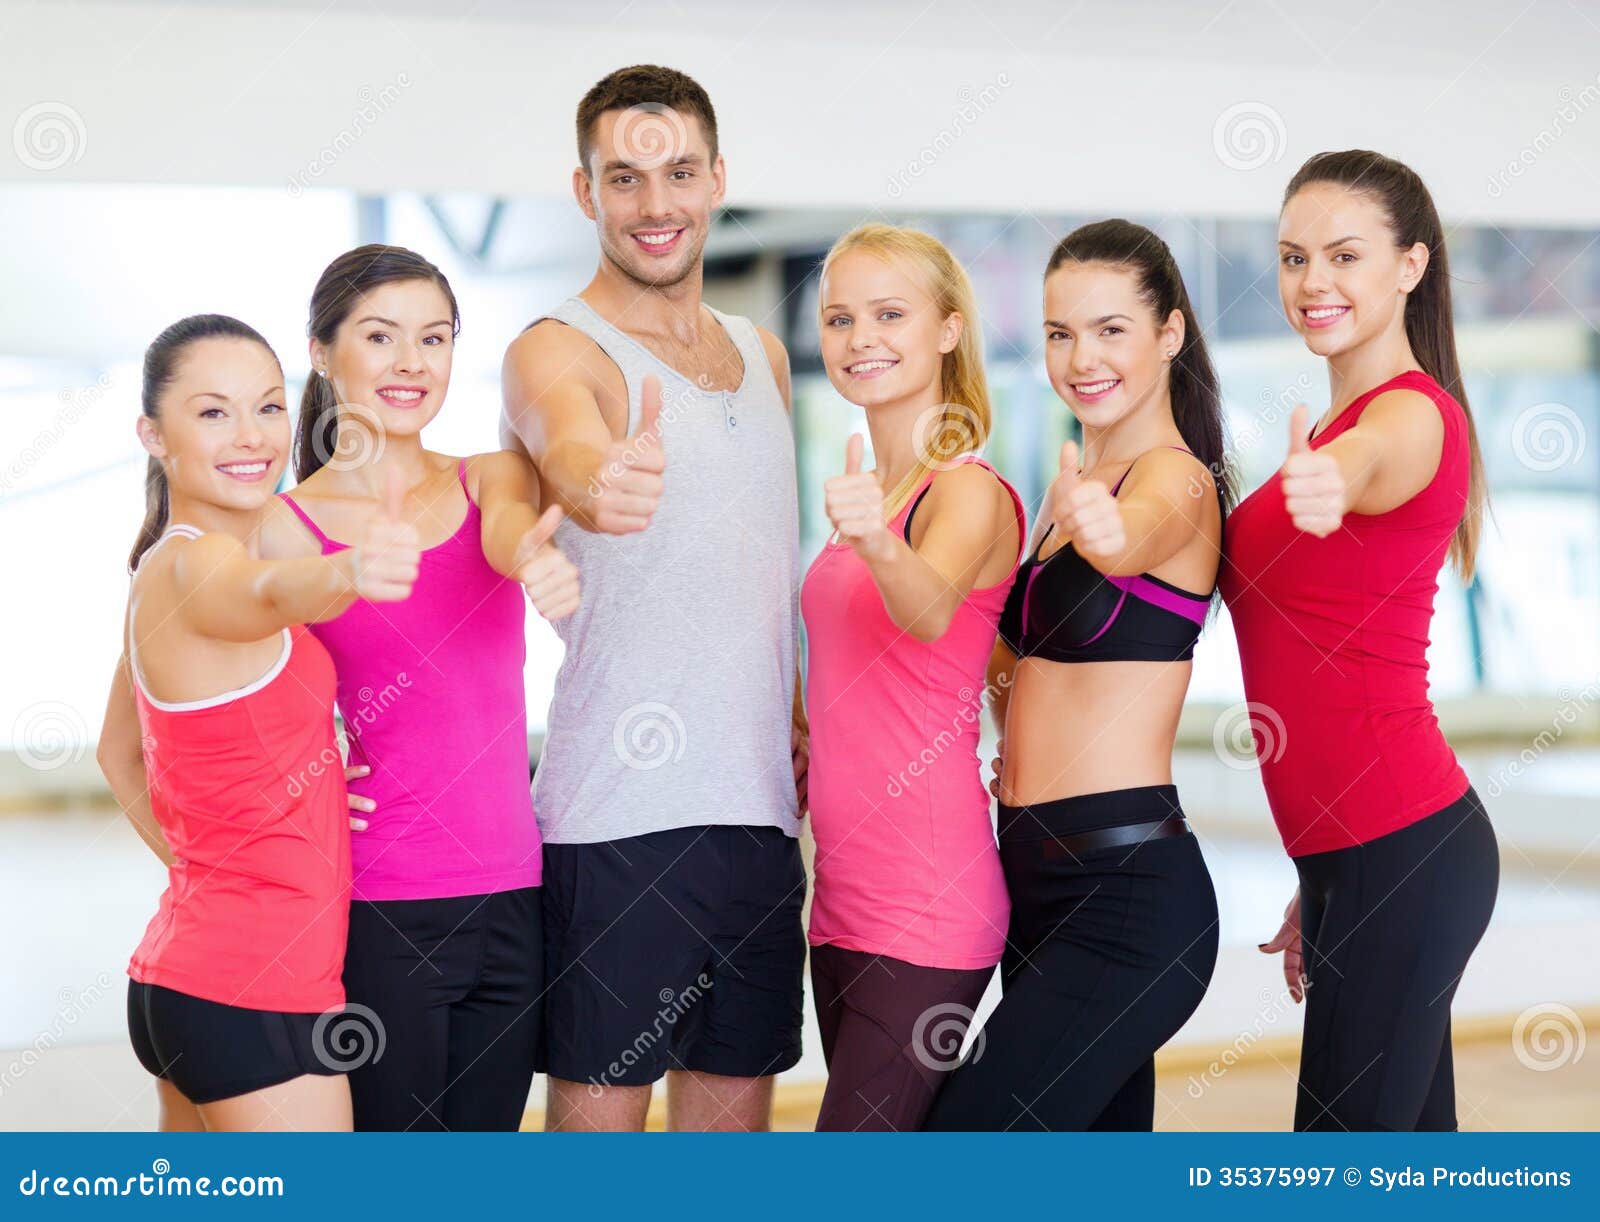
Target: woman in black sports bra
(1113, 932)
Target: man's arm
(604, 482)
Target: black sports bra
(1063, 609)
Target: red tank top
(1333, 638)
(248, 789)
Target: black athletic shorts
(211, 1051)
(680, 949)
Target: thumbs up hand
(627, 487)
(550, 579)
(384, 562)
(1084, 511)
(854, 502)
(1313, 485)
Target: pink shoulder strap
(306, 518)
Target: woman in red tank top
(234, 1000)
(1331, 571)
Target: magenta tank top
(906, 861)
(431, 692)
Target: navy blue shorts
(680, 949)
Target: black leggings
(1387, 928)
(457, 986)
(1109, 952)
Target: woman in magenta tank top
(1113, 932)
(1332, 569)
(445, 950)
(219, 743)
(908, 913)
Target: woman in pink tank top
(909, 909)
(219, 743)
(446, 943)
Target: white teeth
(245, 468)
(1326, 311)
(1094, 388)
(405, 396)
(869, 366)
(655, 239)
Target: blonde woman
(901, 609)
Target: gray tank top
(672, 707)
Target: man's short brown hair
(644, 85)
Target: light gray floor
(77, 888)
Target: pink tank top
(431, 691)
(906, 862)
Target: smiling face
(222, 428)
(1105, 354)
(883, 335)
(392, 355)
(1341, 278)
(651, 187)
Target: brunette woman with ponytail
(445, 956)
(1331, 574)
(1113, 932)
(219, 743)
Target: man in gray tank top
(669, 791)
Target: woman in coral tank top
(219, 743)
(1331, 572)
(909, 914)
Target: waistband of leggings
(1089, 812)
